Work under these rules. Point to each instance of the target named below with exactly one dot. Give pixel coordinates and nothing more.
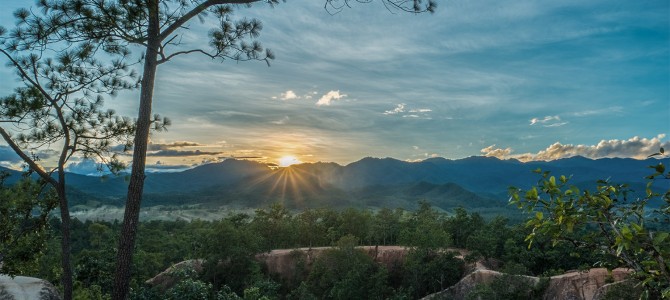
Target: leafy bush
(629, 229)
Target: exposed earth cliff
(283, 263)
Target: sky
(524, 79)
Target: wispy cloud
(281, 121)
(177, 144)
(402, 110)
(544, 120)
(173, 153)
(548, 121)
(161, 167)
(329, 97)
(602, 111)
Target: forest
(231, 270)
(343, 274)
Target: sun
(288, 160)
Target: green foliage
(427, 271)
(424, 229)
(92, 292)
(605, 219)
(489, 240)
(24, 213)
(461, 225)
(509, 287)
(355, 222)
(624, 290)
(229, 251)
(311, 230)
(189, 289)
(345, 273)
(386, 226)
(275, 226)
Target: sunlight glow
(287, 161)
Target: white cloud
(288, 95)
(421, 110)
(412, 113)
(544, 120)
(548, 121)
(635, 147)
(492, 151)
(400, 108)
(11, 165)
(330, 97)
(87, 167)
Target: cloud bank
(635, 147)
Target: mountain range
(474, 182)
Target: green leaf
(539, 215)
(660, 168)
(532, 194)
(619, 249)
(660, 237)
(626, 233)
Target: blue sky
(521, 79)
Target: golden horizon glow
(288, 160)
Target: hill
(473, 182)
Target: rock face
(467, 284)
(169, 277)
(585, 285)
(284, 262)
(582, 285)
(26, 288)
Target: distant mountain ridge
(374, 182)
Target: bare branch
(31, 163)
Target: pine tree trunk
(137, 176)
(66, 277)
